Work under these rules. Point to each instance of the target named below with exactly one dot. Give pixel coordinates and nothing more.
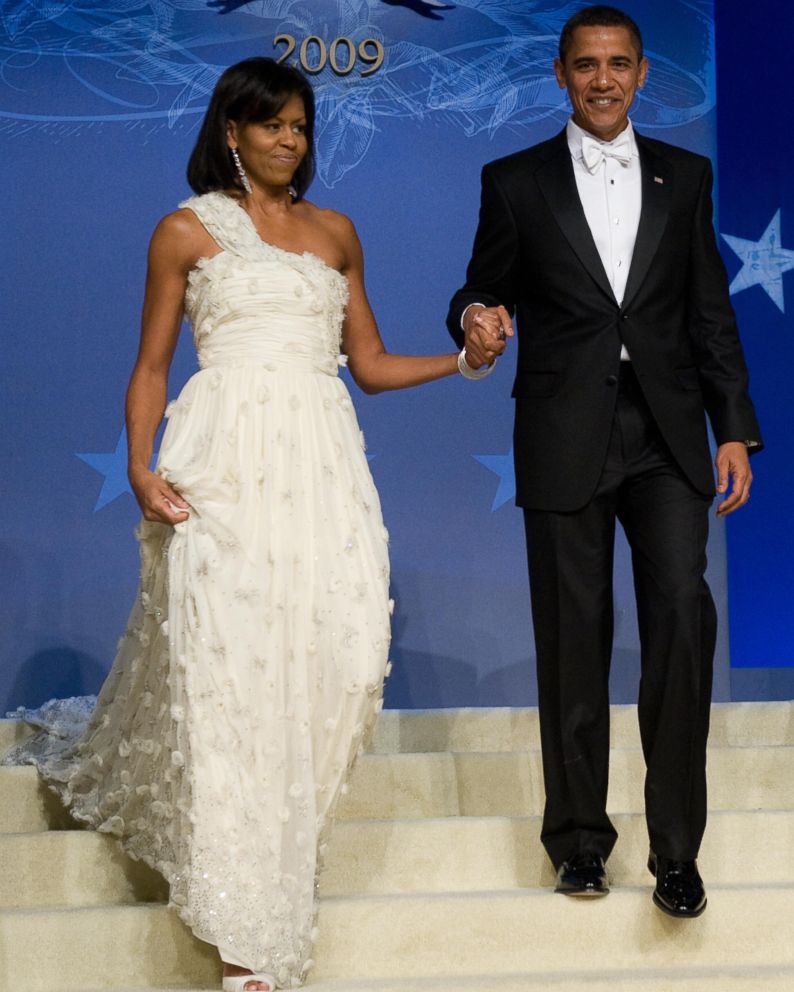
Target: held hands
(733, 464)
(158, 501)
(486, 330)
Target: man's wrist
(466, 310)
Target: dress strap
(224, 219)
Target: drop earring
(241, 171)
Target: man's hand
(486, 330)
(733, 464)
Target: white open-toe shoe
(237, 983)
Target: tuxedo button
(624, 316)
(612, 380)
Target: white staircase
(436, 879)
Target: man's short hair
(600, 16)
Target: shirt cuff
(462, 316)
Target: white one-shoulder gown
(252, 666)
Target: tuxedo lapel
(657, 181)
(558, 185)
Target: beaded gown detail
(252, 666)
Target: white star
(501, 465)
(764, 262)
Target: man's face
(602, 72)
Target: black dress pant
(570, 568)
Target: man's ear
(643, 72)
(559, 72)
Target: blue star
(113, 465)
(764, 262)
(501, 465)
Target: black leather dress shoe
(679, 888)
(582, 875)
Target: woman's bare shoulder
(334, 223)
(182, 234)
(333, 235)
(179, 225)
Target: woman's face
(272, 150)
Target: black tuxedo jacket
(534, 254)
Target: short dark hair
(599, 16)
(252, 90)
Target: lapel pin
(658, 179)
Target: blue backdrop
(99, 108)
(756, 149)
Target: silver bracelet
(468, 372)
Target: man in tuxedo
(601, 242)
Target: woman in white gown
(252, 666)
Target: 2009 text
(341, 55)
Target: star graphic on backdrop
(764, 260)
(113, 465)
(501, 465)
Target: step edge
(619, 893)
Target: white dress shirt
(611, 197)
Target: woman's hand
(485, 330)
(158, 501)
(176, 244)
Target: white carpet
(436, 880)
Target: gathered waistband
(302, 364)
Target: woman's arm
(172, 252)
(372, 367)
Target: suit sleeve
(490, 277)
(712, 324)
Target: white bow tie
(594, 152)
